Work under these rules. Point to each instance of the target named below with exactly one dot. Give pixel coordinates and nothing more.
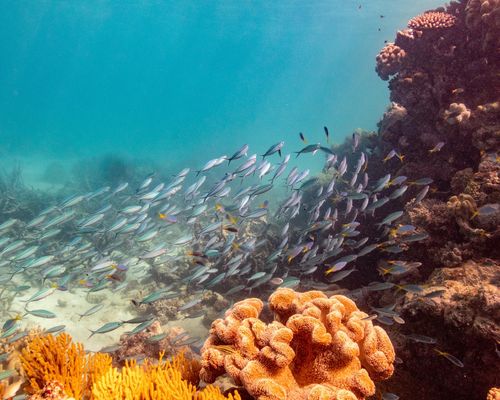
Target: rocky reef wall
(444, 120)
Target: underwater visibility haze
(168, 79)
(249, 200)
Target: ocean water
(172, 81)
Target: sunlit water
(182, 82)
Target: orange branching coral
(7, 345)
(188, 367)
(389, 60)
(432, 20)
(152, 382)
(48, 358)
(317, 348)
(136, 382)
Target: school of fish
(219, 221)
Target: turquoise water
(167, 80)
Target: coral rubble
(316, 347)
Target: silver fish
(108, 327)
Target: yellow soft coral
(317, 348)
(161, 381)
(51, 363)
(48, 358)
(213, 393)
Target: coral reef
(164, 380)
(317, 347)
(51, 391)
(445, 119)
(482, 17)
(432, 20)
(16, 199)
(147, 345)
(457, 113)
(493, 394)
(47, 358)
(58, 369)
(465, 318)
(389, 60)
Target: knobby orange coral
(317, 348)
(48, 358)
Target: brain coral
(432, 20)
(317, 347)
(389, 60)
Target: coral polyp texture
(317, 347)
(432, 20)
(389, 60)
